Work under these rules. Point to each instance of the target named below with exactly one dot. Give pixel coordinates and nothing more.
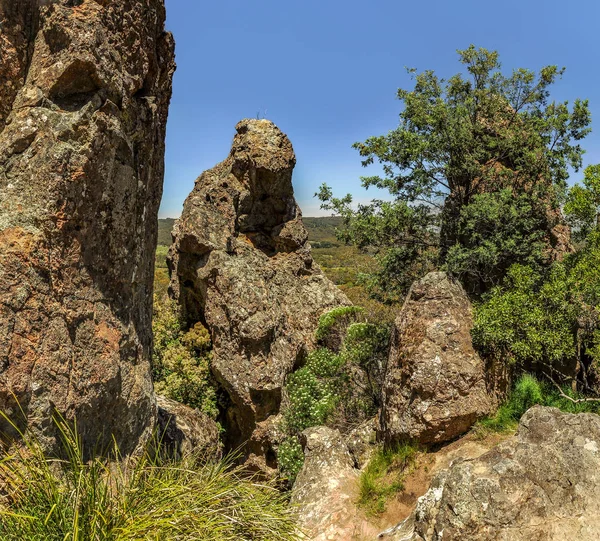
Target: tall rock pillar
(84, 92)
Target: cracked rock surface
(540, 485)
(241, 264)
(84, 92)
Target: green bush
(384, 476)
(290, 457)
(336, 318)
(333, 388)
(530, 391)
(143, 498)
(313, 391)
(181, 359)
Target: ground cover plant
(149, 497)
(384, 475)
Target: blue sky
(326, 72)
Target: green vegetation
(549, 321)
(338, 388)
(181, 359)
(488, 141)
(384, 476)
(336, 318)
(530, 391)
(48, 499)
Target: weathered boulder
(325, 489)
(435, 385)
(362, 442)
(84, 94)
(183, 430)
(542, 484)
(241, 264)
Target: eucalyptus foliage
(477, 132)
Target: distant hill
(321, 231)
(165, 226)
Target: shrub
(145, 498)
(339, 388)
(384, 476)
(181, 359)
(530, 391)
(313, 391)
(334, 319)
(290, 457)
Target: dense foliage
(549, 321)
(458, 139)
(338, 387)
(181, 359)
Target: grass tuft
(527, 392)
(384, 476)
(147, 498)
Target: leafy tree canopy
(475, 133)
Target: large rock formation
(435, 386)
(84, 92)
(541, 485)
(241, 265)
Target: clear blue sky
(326, 72)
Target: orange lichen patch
(78, 174)
(109, 335)
(16, 240)
(61, 217)
(85, 10)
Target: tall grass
(384, 476)
(147, 498)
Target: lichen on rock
(84, 93)
(435, 385)
(241, 264)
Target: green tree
(475, 133)
(583, 203)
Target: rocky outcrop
(362, 442)
(435, 386)
(184, 431)
(542, 484)
(241, 264)
(325, 489)
(84, 93)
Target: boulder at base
(184, 431)
(543, 484)
(325, 490)
(84, 93)
(241, 265)
(435, 386)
